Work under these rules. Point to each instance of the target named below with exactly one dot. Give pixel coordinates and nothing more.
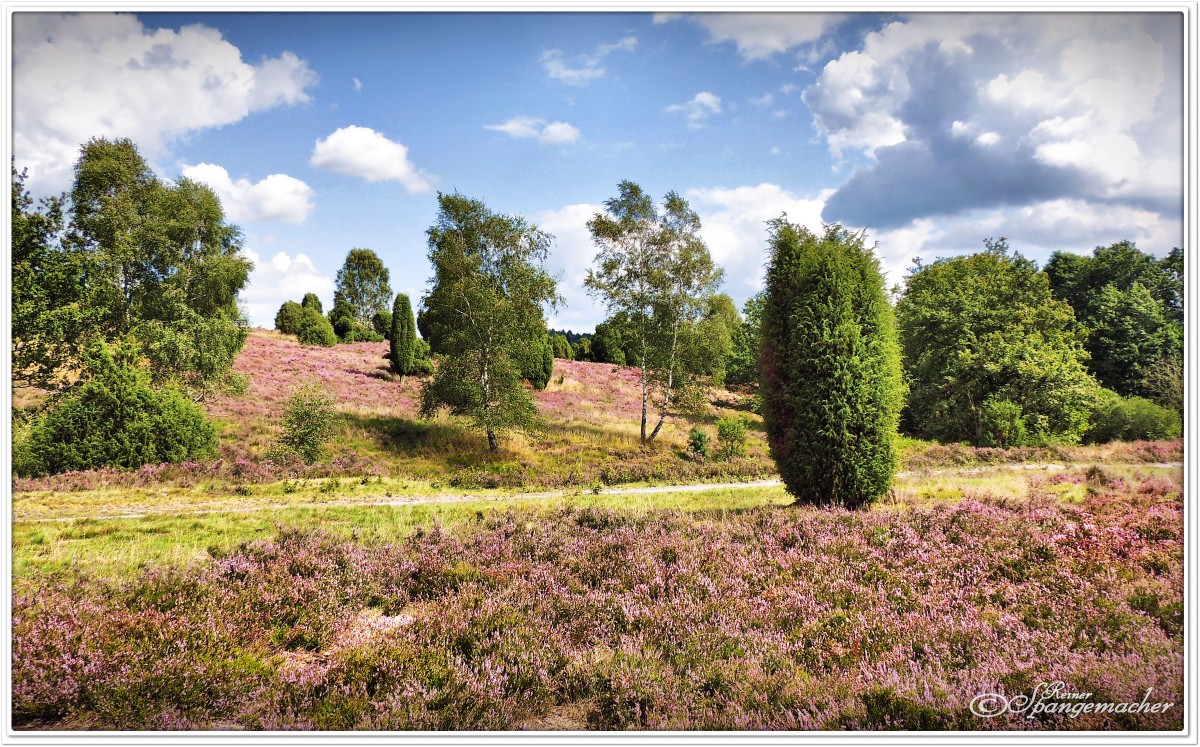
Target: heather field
(723, 610)
(410, 580)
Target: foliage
(361, 289)
(698, 443)
(485, 308)
(654, 269)
(309, 420)
(404, 336)
(287, 319)
(1118, 418)
(314, 329)
(1003, 424)
(561, 348)
(382, 324)
(583, 349)
(312, 301)
(731, 438)
(608, 345)
(741, 367)
(537, 364)
(1164, 383)
(1132, 305)
(49, 312)
(985, 327)
(113, 418)
(160, 263)
(831, 375)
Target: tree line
(128, 285)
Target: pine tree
(404, 336)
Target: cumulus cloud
(277, 197)
(281, 278)
(734, 226)
(966, 112)
(105, 74)
(582, 68)
(569, 259)
(365, 153)
(553, 133)
(702, 106)
(761, 35)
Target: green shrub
(315, 329)
(731, 438)
(422, 363)
(538, 364)
(311, 301)
(1003, 424)
(831, 379)
(309, 417)
(287, 320)
(1118, 418)
(698, 442)
(113, 418)
(382, 323)
(404, 336)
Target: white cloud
(570, 258)
(553, 133)
(586, 67)
(702, 106)
(277, 197)
(363, 152)
(357, 85)
(760, 35)
(105, 74)
(734, 225)
(282, 278)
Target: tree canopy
(362, 288)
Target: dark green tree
(382, 324)
(112, 417)
(982, 333)
(537, 363)
(404, 336)
(741, 368)
(311, 301)
(313, 328)
(561, 348)
(486, 309)
(607, 344)
(362, 286)
(287, 319)
(831, 377)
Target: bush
(382, 324)
(315, 329)
(1118, 418)
(831, 378)
(308, 422)
(698, 442)
(538, 364)
(1003, 424)
(422, 364)
(287, 320)
(113, 418)
(312, 302)
(731, 438)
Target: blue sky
(327, 131)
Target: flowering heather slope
(768, 618)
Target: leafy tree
(608, 346)
(287, 319)
(713, 336)
(50, 316)
(741, 367)
(159, 263)
(112, 417)
(1118, 418)
(485, 308)
(362, 287)
(985, 327)
(314, 329)
(831, 377)
(311, 301)
(1132, 305)
(1164, 383)
(653, 268)
(583, 349)
(404, 336)
(561, 348)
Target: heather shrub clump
(113, 418)
(584, 617)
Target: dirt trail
(476, 497)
